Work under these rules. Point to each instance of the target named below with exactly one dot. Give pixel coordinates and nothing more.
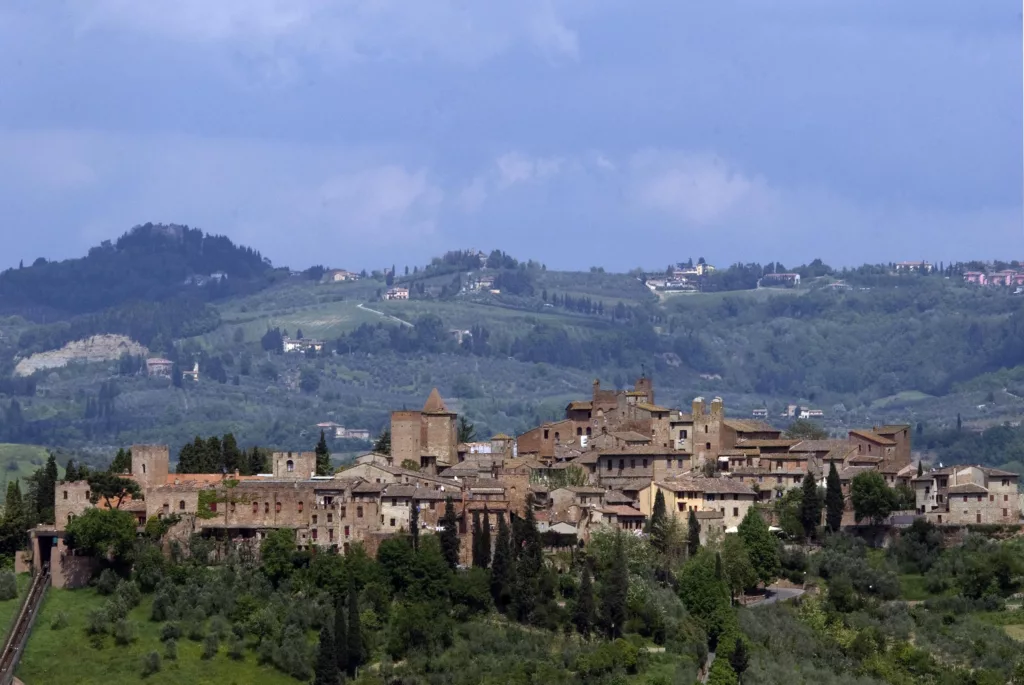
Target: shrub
(59, 621)
(220, 627)
(171, 650)
(106, 584)
(116, 608)
(150, 664)
(236, 648)
(210, 646)
(129, 593)
(124, 632)
(97, 622)
(8, 586)
(170, 631)
(196, 631)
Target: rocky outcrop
(98, 348)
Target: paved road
(779, 594)
(386, 316)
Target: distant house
(192, 375)
(806, 413)
(397, 294)
(339, 432)
(339, 276)
(760, 413)
(459, 335)
(302, 345)
(159, 367)
(780, 280)
(912, 267)
(975, 277)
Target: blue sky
(361, 133)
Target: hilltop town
(602, 466)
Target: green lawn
(9, 608)
(20, 461)
(67, 655)
(912, 588)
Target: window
(392, 523)
(71, 517)
(394, 501)
(181, 505)
(88, 495)
(705, 428)
(277, 507)
(432, 506)
(1004, 512)
(545, 433)
(622, 464)
(609, 465)
(255, 507)
(579, 430)
(359, 512)
(232, 507)
(346, 531)
(588, 431)
(167, 508)
(330, 518)
(314, 519)
(632, 463)
(1006, 498)
(330, 535)
(644, 463)
(707, 445)
(266, 507)
(557, 436)
(300, 507)
(682, 435)
(965, 498)
(735, 511)
(213, 507)
(65, 494)
(143, 469)
(314, 533)
(343, 512)
(289, 465)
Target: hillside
(508, 354)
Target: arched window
(290, 465)
(143, 469)
(300, 507)
(255, 507)
(71, 517)
(277, 507)
(181, 505)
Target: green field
(67, 656)
(912, 588)
(9, 608)
(19, 462)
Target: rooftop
(750, 426)
(434, 404)
(872, 437)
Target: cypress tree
(71, 471)
(323, 457)
(692, 535)
(326, 670)
(810, 506)
(613, 591)
(718, 565)
(14, 508)
(354, 636)
(833, 499)
(738, 659)
(657, 527)
(920, 469)
(529, 565)
(500, 565)
(476, 540)
(340, 642)
(485, 540)
(414, 523)
(583, 615)
(449, 534)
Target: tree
(323, 457)
(803, 429)
(920, 469)
(309, 381)
(739, 659)
(527, 591)
(810, 506)
(257, 462)
(414, 523)
(122, 462)
(340, 630)
(326, 670)
(103, 533)
(276, 553)
(383, 443)
(761, 546)
(583, 613)
(467, 432)
(872, 498)
(354, 635)
(476, 535)
(692, 535)
(113, 489)
(834, 501)
(70, 471)
(614, 590)
(501, 564)
(485, 540)
(739, 573)
(449, 534)
(657, 527)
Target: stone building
(428, 437)
(965, 495)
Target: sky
(619, 133)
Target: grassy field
(67, 656)
(912, 588)
(9, 608)
(20, 461)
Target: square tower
(150, 464)
(294, 465)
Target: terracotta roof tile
(622, 510)
(749, 426)
(434, 404)
(872, 437)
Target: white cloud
(700, 189)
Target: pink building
(976, 277)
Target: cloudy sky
(358, 133)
